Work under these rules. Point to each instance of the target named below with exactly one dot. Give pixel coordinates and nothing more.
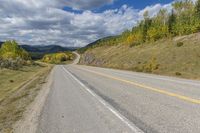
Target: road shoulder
(29, 122)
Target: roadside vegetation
(21, 79)
(12, 56)
(167, 43)
(58, 58)
(164, 57)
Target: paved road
(76, 61)
(87, 99)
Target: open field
(17, 90)
(173, 57)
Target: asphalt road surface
(87, 99)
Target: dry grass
(17, 90)
(163, 57)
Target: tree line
(183, 19)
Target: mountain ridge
(38, 51)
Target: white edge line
(132, 126)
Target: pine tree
(172, 20)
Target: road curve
(87, 99)
(76, 61)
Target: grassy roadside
(17, 90)
(178, 57)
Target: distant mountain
(47, 49)
(38, 51)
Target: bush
(11, 63)
(134, 44)
(138, 69)
(179, 44)
(57, 58)
(178, 74)
(151, 65)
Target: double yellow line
(161, 91)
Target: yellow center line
(182, 97)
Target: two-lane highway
(87, 99)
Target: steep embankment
(174, 57)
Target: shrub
(179, 44)
(138, 69)
(11, 81)
(178, 74)
(151, 65)
(134, 44)
(57, 58)
(11, 63)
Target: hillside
(174, 57)
(97, 43)
(167, 43)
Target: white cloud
(37, 22)
(85, 4)
(154, 9)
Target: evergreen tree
(171, 22)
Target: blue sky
(136, 4)
(71, 22)
(140, 4)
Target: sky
(71, 23)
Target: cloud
(75, 4)
(40, 22)
(154, 9)
(85, 4)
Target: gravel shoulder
(29, 122)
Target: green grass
(17, 90)
(164, 57)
